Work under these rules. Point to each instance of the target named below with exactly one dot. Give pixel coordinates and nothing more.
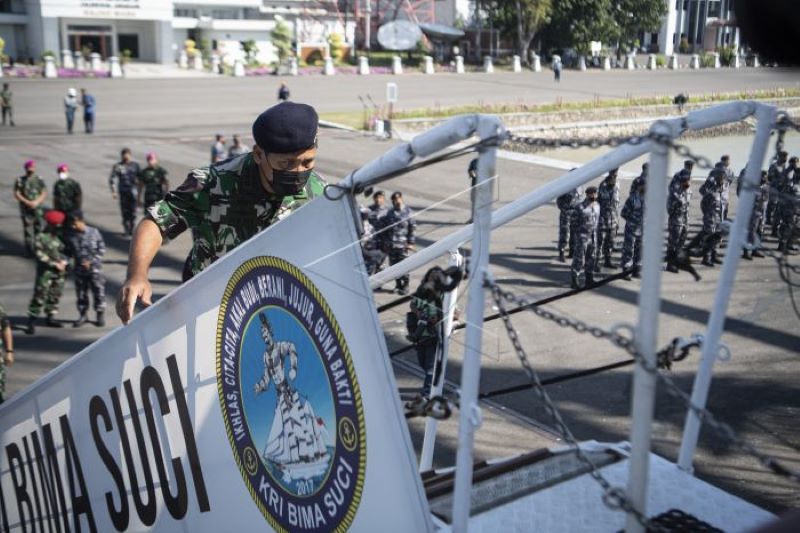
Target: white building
(705, 24)
(155, 30)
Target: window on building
(654, 38)
(185, 12)
(16, 7)
(225, 14)
(714, 9)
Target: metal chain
(684, 151)
(722, 429)
(613, 497)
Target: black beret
(591, 190)
(286, 127)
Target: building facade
(155, 30)
(700, 24)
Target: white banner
(258, 395)
(108, 9)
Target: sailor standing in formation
(586, 217)
(608, 199)
(123, 184)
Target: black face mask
(288, 182)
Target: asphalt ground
(756, 391)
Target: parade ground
(756, 391)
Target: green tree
(250, 49)
(522, 18)
(634, 16)
(282, 39)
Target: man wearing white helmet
(70, 106)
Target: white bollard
(715, 55)
(397, 65)
(488, 66)
(114, 70)
(80, 62)
(183, 59)
(293, 66)
(363, 65)
(1, 70)
(197, 62)
(673, 62)
(695, 62)
(537, 63)
(606, 63)
(756, 64)
(327, 70)
(516, 64)
(66, 59)
(428, 65)
(737, 61)
(238, 69)
(459, 65)
(214, 64)
(630, 62)
(651, 62)
(96, 63)
(50, 67)
(582, 63)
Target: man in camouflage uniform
(774, 178)
(30, 192)
(784, 185)
(790, 214)
(87, 248)
(67, 194)
(566, 203)
(711, 205)
(397, 229)
(152, 182)
(755, 228)
(6, 350)
(374, 255)
(50, 272)
(123, 180)
(633, 213)
(675, 183)
(227, 203)
(585, 218)
(678, 213)
(724, 164)
(641, 178)
(608, 198)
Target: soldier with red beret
(51, 267)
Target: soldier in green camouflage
(67, 194)
(228, 202)
(30, 192)
(51, 269)
(6, 350)
(152, 182)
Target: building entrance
(92, 38)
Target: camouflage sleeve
(112, 179)
(100, 244)
(412, 227)
(627, 208)
(186, 206)
(4, 323)
(41, 252)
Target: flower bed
(29, 71)
(314, 71)
(23, 71)
(76, 73)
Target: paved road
(756, 391)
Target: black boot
(589, 279)
(52, 322)
(707, 261)
(30, 329)
(757, 253)
(608, 264)
(81, 321)
(574, 281)
(101, 321)
(672, 267)
(561, 256)
(747, 254)
(715, 259)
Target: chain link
(722, 429)
(613, 497)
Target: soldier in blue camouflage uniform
(641, 178)
(87, 248)
(711, 205)
(585, 218)
(633, 213)
(678, 221)
(50, 272)
(566, 203)
(774, 178)
(783, 185)
(374, 255)
(152, 182)
(123, 182)
(67, 194)
(30, 192)
(608, 199)
(675, 183)
(755, 228)
(790, 213)
(397, 235)
(6, 350)
(229, 202)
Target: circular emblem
(290, 398)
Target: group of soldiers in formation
(59, 239)
(388, 232)
(588, 224)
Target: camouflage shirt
(29, 188)
(224, 205)
(123, 177)
(608, 198)
(153, 180)
(678, 206)
(49, 249)
(67, 195)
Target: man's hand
(113, 195)
(133, 289)
(61, 266)
(9, 358)
(86, 264)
